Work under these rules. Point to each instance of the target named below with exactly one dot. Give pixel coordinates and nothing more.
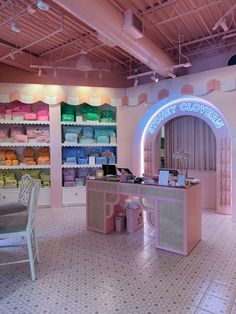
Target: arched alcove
(162, 112)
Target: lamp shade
(84, 64)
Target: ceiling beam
(22, 61)
(70, 42)
(77, 53)
(158, 6)
(205, 38)
(172, 18)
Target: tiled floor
(87, 272)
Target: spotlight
(136, 82)
(30, 9)
(40, 71)
(55, 73)
(172, 74)
(154, 78)
(43, 6)
(12, 56)
(224, 25)
(15, 27)
(181, 65)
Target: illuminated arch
(166, 110)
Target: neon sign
(203, 110)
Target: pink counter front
(174, 212)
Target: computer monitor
(109, 170)
(174, 172)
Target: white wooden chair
(22, 226)
(7, 208)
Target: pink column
(55, 152)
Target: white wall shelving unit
(12, 194)
(57, 195)
(77, 195)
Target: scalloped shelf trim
(72, 165)
(90, 123)
(25, 167)
(24, 144)
(24, 122)
(88, 145)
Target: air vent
(132, 25)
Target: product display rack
(57, 194)
(76, 195)
(11, 194)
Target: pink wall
(10, 74)
(223, 99)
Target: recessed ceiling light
(42, 5)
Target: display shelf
(22, 166)
(24, 122)
(71, 144)
(90, 123)
(96, 133)
(74, 165)
(9, 144)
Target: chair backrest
(26, 183)
(33, 199)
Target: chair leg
(36, 246)
(31, 257)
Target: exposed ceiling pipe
(106, 19)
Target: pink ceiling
(55, 38)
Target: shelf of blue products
(89, 139)
(174, 212)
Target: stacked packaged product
(19, 111)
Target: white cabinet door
(9, 195)
(74, 196)
(44, 198)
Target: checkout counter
(175, 212)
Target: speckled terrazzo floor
(86, 272)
